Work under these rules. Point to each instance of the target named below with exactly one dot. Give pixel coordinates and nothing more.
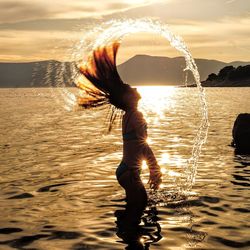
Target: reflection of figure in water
(148, 232)
(106, 87)
(139, 236)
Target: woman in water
(105, 86)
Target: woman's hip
(124, 168)
(128, 176)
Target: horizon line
(47, 60)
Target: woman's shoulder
(133, 114)
(137, 118)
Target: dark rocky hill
(229, 76)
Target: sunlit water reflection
(57, 184)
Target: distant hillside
(35, 74)
(140, 69)
(229, 76)
(143, 69)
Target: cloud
(52, 24)
(36, 45)
(212, 10)
(64, 15)
(212, 29)
(13, 11)
(117, 5)
(227, 40)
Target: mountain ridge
(140, 69)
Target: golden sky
(46, 29)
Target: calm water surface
(57, 184)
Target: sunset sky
(45, 29)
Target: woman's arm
(154, 169)
(141, 130)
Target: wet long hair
(101, 83)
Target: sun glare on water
(156, 99)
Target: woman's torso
(134, 130)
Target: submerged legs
(136, 195)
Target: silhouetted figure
(241, 134)
(104, 87)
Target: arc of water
(117, 30)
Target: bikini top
(132, 135)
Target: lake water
(57, 184)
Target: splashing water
(117, 30)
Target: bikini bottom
(122, 168)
